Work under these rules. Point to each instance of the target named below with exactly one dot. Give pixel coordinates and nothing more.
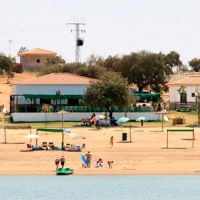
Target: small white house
(191, 85)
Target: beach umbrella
(97, 117)
(32, 136)
(122, 120)
(62, 112)
(162, 112)
(141, 119)
(66, 130)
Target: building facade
(35, 58)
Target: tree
(55, 60)
(146, 69)
(110, 91)
(183, 68)
(72, 67)
(58, 93)
(94, 59)
(22, 49)
(172, 59)
(6, 66)
(183, 92)
(91, 71)
(195, 64)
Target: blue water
(99, 187)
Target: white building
(191, 83)
(56, 88)
(63, 91)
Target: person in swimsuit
(110, 164)
(57, 161)
(99, 163)
(111, 141)
(89, 158)
(62, 161)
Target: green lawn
(191, 118)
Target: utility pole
(9, 41)
(78, 41)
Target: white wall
(174, 96)
(36, 117)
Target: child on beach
(99, 163)
(110, 164)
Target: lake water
(100, 187)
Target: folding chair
(44, 146)
(51, 145)
(72, 147)
(67, 147)
(83, 146)
(78, 148)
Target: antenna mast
(78, 41)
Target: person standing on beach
(57, 161)
(62, 161)
(89, 158)
(111, 141)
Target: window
(38, 60)
(193, 94)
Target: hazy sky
(113, 27)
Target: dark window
(45, 101)
(72, 102)
(193, 94)
(38, 60)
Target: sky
(112, 27)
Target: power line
(78, 41)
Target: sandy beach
(146, 154)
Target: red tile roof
(37, 51)
(58, 79)
(189, 80)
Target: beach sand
(146, 154)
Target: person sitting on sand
(110, 164)
(89, 158)
(99, 163)
(62, 161)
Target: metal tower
(78, 41)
